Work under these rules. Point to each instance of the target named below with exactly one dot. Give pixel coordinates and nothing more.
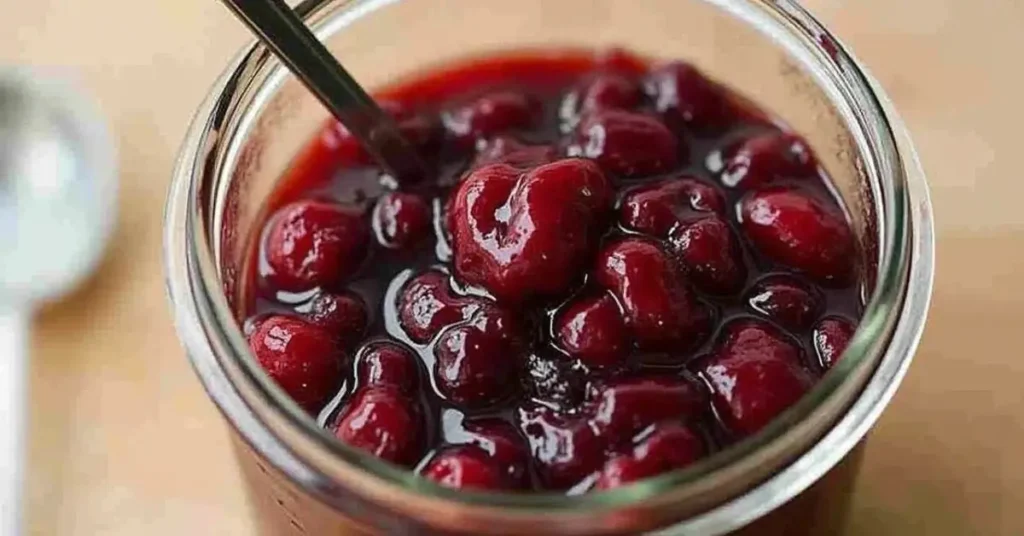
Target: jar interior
(271, 116)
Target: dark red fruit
(831, 337)
(420, 130)
(427, 305)
(382, 421)
(305, 360)
(660, 311)
(550, 377)
(490, 115)
(401, 220)
(799, 231)
(624, 407)
(342, 315)
(683, 95)
(710, 255)
(785, 300)
(755, 374)
(626, 144)
(465, 467)
(592, 330)
(503, 444)
(769, 157)
(387, 363)
(564, 448)
(475, 362)
(667, 447)
(508, 150)
(535, 313)
(658, 208)
(526, 235)
(606, 91)
(314, 244)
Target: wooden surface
(124, 441)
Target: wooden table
(124, 442)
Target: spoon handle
(14, 325)
(281, 30)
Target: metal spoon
(284, 33)
(57, 204)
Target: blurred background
(124, 442)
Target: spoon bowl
(57, 188)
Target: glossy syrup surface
(615, 269)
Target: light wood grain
(124, 442)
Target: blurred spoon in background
(58, 190)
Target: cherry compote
(615, 269)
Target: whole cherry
(489, 115)
(831, 337)
(685, 96)
(797, 230)
(526, 235)
(343, 315)
(660, 310)
(767, 158)
(383, 421)
(304, 359)
(755, 373)
(475, 360)
(786, 300)
(465, 467)
(314, 244)
(387, 363)
(666, 447)
(591, 329)
(626, 144)
(401, 220)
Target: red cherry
(402, 220)
(465, 467)
(794, 229)
(387, 363)
(683, 95)
(606, 91)
(669, 446)
(475, 360)
(305, 360)
(831, 337)
(710, 255)
(503, 444)
(564, 448)
(658, 208)
(313, 243)
(626, 144)
(381, 421)
(527, 235)
(427, 305)
(755, 374)
(628, 405)
(489, 115)
(342, 315)
(592, 330)
(659, 309)
(766, 158)
(786, 300)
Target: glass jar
(257, 117)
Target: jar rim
(891, 326)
